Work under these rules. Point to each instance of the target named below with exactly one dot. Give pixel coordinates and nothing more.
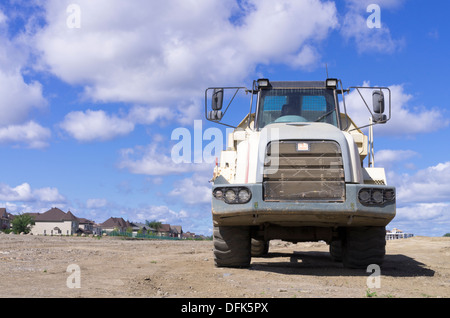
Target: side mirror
(378, 102)
(217, 100)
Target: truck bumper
(349, 212)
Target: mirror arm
(207, 116)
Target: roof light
(263, 83)
(331, 83)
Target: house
(142, 228)
(86, 226)
(97, 230)
(5, 219)
(189, 235)
(397, 234)
(54, 222)
(164, 230)
(176, 231)
(115, 224)
(170, 230)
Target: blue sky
(90, 96)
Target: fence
(140, 236)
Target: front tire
(363, 246)
(232, 246)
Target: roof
(53, 215)
(3, 213)
(297, 84)
(113, 222)
(85, 221)
(164, 228)
(70, 217)
(176, 229)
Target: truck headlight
(244, 195)
(364, 195)
(376, 196)
(389, 194)
(218, 194)
(233, 195)
(230, 196)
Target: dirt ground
(67, 267)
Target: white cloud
(407, 119)
(423, 200)
(369, 40)
(160, 213)
(384, 4)
(152, 160)
(24, 193)
(48, 195)
(430, 219)
(96, 203)
(427, 185)
(149, 52)
(17, 98)
(194, 190)
(424, 212)
(95, 125)
(144, 115)
(3, 18)
(306, 58)
(30, 135)
(388, 158)
(184, 112)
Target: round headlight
(377, 196)
(389, 195)
(218, 194)
(230, 195)
(244, 196)
(364, 196)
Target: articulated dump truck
(293, 170)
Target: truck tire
(259, 247)
(363, 246)
(232, 246)
(336, 250)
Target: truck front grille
(297, 170)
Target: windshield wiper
(324, 115)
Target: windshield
(296, 105)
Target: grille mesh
(304, 170)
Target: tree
(22, 223)
(447, 235)
(153, 224)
